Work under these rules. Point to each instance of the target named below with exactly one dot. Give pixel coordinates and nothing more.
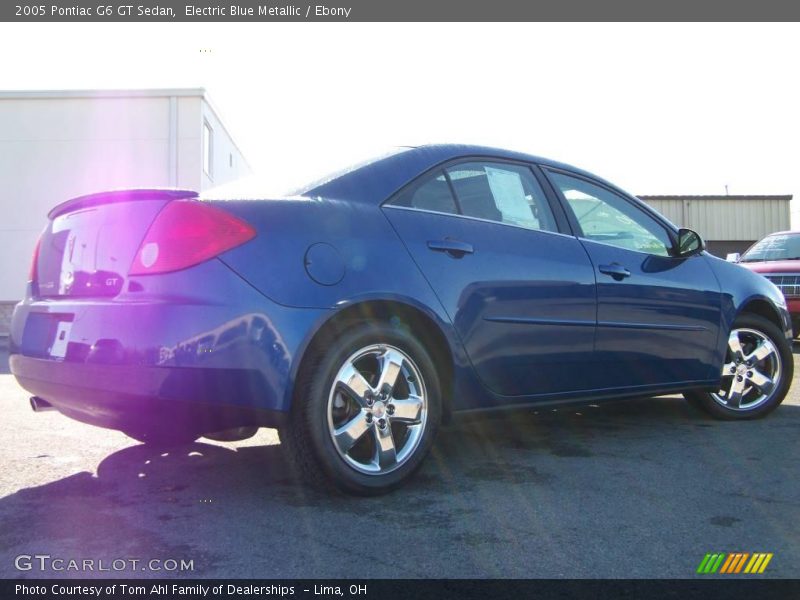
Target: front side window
(606, 217)
(501, 192)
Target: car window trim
(556, 206)
(672, 233)
(561, 220)
(462, 216)
(452, 189)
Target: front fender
(743, 290)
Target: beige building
(55, 145)
(727, 223)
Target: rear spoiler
(119, 196)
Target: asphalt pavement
(639, 488)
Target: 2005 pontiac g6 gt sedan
(362, 311)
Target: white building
(55, 145)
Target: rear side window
(501, 192)
(432, 193)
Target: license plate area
(46, 335)
(58, 349)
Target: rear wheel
(756, 374)
(367, 409)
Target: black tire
(162, 438)
(234, 434)
(716, 406)
(308, 438)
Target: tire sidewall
(784, 348)
(318, 386)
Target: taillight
(186, 233)
(33, 272)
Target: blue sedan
(360, 313)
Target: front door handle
(453, 247)
(616, 270)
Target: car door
(658, 316)
(519, 290)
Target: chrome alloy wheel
(377, 409)
(752, 371)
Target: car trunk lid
(87, 248)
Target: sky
(655, 108)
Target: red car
(777, 257)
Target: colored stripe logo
(734, 562)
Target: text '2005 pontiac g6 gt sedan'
(359, 313)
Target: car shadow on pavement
(489, 479)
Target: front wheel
(756, 375)
(367, 409)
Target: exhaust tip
(40, 404)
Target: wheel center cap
(379, 409)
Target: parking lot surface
(639, 488)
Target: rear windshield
(774, 247)
(341, 171)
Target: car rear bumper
(204, 363)
(132, 398)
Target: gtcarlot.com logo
(734, 562)
(46, 562)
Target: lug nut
(733, 369)
(749, 373)
(738, 378)
(369, 417)
(382, 423)
(370, 401)
(390, 409)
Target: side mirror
(689, 243)
(733, 257)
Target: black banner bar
(397, 10)
(731, 588)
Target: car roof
(377, 180)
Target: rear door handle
(616, 270)
(454, 248)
